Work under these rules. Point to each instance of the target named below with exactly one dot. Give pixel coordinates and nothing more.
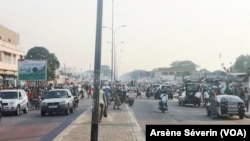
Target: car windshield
(166, 88)
(56, 94)
(233, 99)
(8, 95)
(192, 87)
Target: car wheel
(67, 110)
(199, 104)
(26, 109)
(241, 116)
(179, 103)
(18, 111)
(183, 104)
(208, 113)
(72, 109)
(43, 113)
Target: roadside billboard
(32, 70)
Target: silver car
(58, 100)
(227, 105)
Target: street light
(113, 49)
(115, 59)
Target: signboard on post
(32, 70)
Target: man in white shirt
(164, 100)
(206, 97)
(102, 104)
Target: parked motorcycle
(163, 104)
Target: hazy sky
(157, 32)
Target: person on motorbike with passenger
(164, 100)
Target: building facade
(10, 53)
(170, 74)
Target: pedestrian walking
(102, 104)
(82, 93)
(107, 91)
(90, 89)
(117, 99)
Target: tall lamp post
(113, 49)
(115, 60)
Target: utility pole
(112, 54)
(97, 68)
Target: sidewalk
(120, 125)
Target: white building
(10, 53)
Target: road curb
(137, 131)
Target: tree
(41, 53)
(219, 72)
(242, 64)
(204, 71)
(187, 65)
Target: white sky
(157, 32)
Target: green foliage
(186, 64)
(41, 53)
(242, 64)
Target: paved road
(146, 112)
(33, 127)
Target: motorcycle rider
(164, 100)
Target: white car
(14, 100)
(58, 100)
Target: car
(191, 95)
(57, 101)
(14, 100)
(75, 92)
(228, 105)
(132, 88)
(168, 89)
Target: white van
(14, 100)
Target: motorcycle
(76, 102)
(138, 93)
(163, 104)
(148, 94)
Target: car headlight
(62, 102)
(43, 104)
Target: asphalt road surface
(34, 127)
(146, 112)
